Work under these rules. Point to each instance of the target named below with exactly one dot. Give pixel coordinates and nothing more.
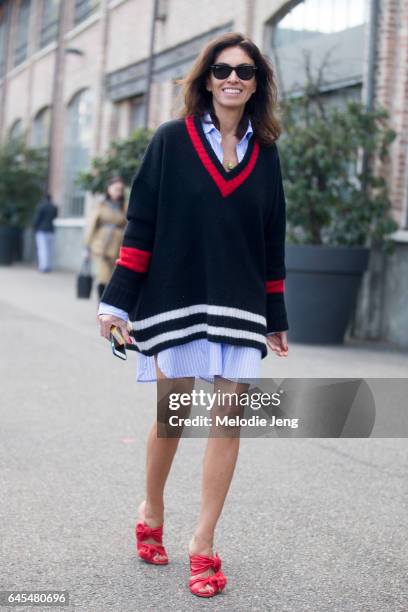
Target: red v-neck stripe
(225, 186)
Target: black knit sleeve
(123, 289)
(275, 235)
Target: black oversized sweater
(203, 254)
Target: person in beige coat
(104, 231)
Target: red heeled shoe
(146, 551)
(201, 563)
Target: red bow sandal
(201, 563)
(146, 551)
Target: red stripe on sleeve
(134, 259)
(275, 286)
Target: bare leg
(218, 468)
(159, 456)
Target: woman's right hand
(106, 321)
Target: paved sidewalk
(308, 525)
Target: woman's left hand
(278, 343)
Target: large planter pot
(7, 245)
(18, 243)
(321, 290)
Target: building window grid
(21, 43)
(84, 9)
(77, 151)
(310, 18)
(49, 22)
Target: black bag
(84, 280)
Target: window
(78, 138)
(137, 113)
(21, 41)
(127, 116)
(49, 22)
(84, 8)
(3, 39)
(16, 130)
(329, 34)
(176, 95)
(40, 132)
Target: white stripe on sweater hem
(221, 311)
(210, 329)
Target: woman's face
(231, 92)
(115, 190)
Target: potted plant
(22, 182)
(338, 209)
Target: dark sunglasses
(243, 71)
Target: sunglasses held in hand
(118, 343)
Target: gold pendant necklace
(230, 165)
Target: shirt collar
(209, 127)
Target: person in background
(43, 225)
(104, 231)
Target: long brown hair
(260, 108)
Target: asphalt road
(312, 524)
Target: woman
(201, 270)
(104, 232)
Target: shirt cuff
(112, 310)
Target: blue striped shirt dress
(201, 358)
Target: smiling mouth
(232, 91)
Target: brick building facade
(75, 74)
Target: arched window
(16, 130)
(325, 35)
(78, 138)
(40, 133)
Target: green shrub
(22, 182)
(123, 157)
(334, 195)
